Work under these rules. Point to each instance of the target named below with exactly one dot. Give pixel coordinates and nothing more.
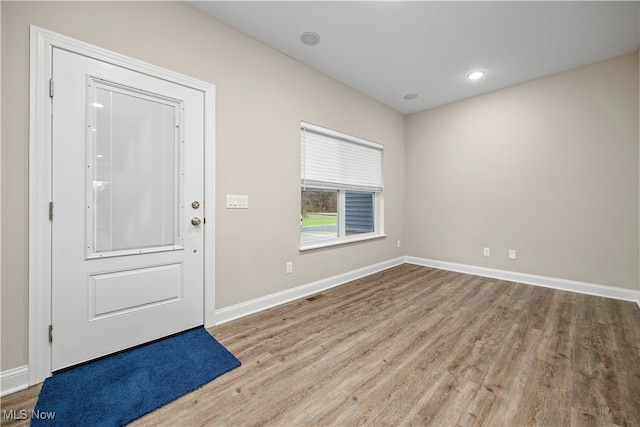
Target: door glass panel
(134, 171)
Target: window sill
(344, 241)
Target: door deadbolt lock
(195, 204)
(196, 221)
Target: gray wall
(262, 96)
(548, 168)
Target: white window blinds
(331, 159)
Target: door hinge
(50, 333)
(50, 211)
(51, 88)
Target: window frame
(377, 196)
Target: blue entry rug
(119, 389)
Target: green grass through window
(319, 220)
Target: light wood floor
(419, 346)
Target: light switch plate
(235, 201)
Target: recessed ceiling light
(410, 96)
(475, 75)
(310, 38)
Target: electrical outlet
(486, 252)
(289, 267)
(398, 243)
(512, 254)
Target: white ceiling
(387, 49)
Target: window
(341, 186)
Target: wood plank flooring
(418, 346)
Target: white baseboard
(17, 379)
(531, 279)
(253, 306)
(13, 380)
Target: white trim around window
(341, 188)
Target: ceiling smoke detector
(310, 38)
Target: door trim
(42, 43)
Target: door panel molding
(42, 43)
(105, 293)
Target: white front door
(127, 191)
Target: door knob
(195, 221)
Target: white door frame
(42, 43)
